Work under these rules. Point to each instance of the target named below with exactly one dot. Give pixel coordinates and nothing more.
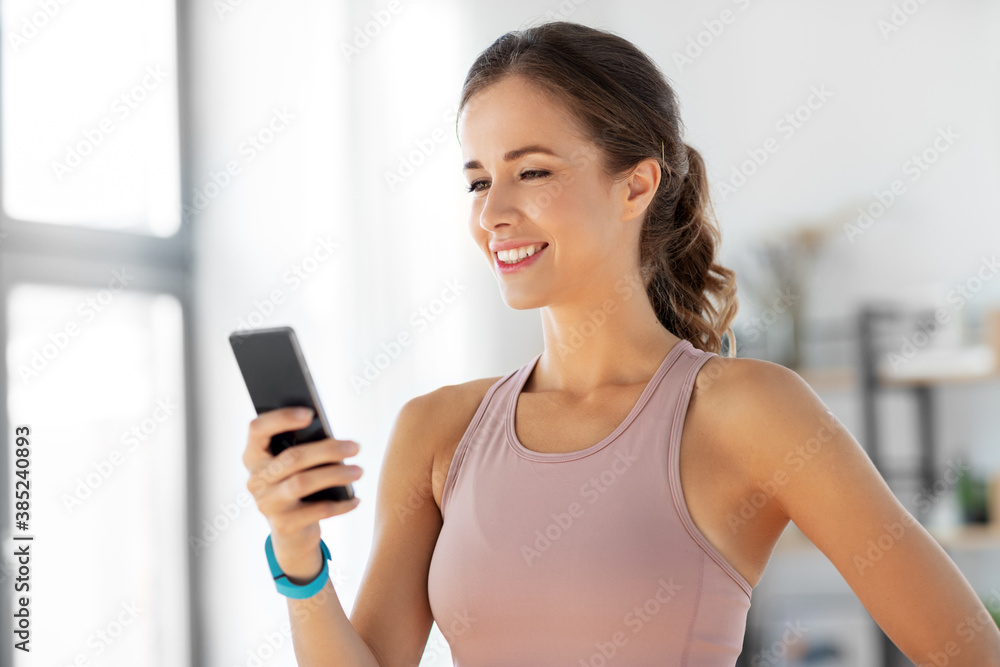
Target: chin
(520, 300)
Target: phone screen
(276, 376)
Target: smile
(517, 259)
(517, 254)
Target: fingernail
(302, 413)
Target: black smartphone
(277, 376)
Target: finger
(302, 457)
(294, 520)
(306, 482)
(275, 498)
(265, 426)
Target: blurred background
(171, 172)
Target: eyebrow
(510, 156)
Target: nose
(499, 207)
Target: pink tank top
(585, 558)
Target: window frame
(72, 256)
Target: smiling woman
(583, 502)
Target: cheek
(580, 216)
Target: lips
(521, 264)
(519, 253)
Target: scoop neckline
(522, 379)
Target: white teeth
(517, 254)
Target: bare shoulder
(450, 408)
(446, 413)
(748, 412)
(738, 430)
(758, 412)
(749, 388)
(807, 468)
(446, 398)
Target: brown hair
(626, 107)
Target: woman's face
(560, 200)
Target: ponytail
(681, 273)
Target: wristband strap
(286, 587)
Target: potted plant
(993, 607)
(973, 496)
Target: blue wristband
(287, 588)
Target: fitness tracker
(287, 588)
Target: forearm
(975, 644)
(322, 634)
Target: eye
(530, 173)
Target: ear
(639, 188)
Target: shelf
(965, 537)
(845, 378)
(834, 378)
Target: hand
(278, 483)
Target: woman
(539, 517)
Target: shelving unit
(871, 383)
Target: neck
(614, 340)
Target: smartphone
(276, 376)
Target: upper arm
(824, 481)
(392, 612)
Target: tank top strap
(486, 424)
(673, 403)
(673, 391)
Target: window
(96, 375)
(90, 114)
(95, 328)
